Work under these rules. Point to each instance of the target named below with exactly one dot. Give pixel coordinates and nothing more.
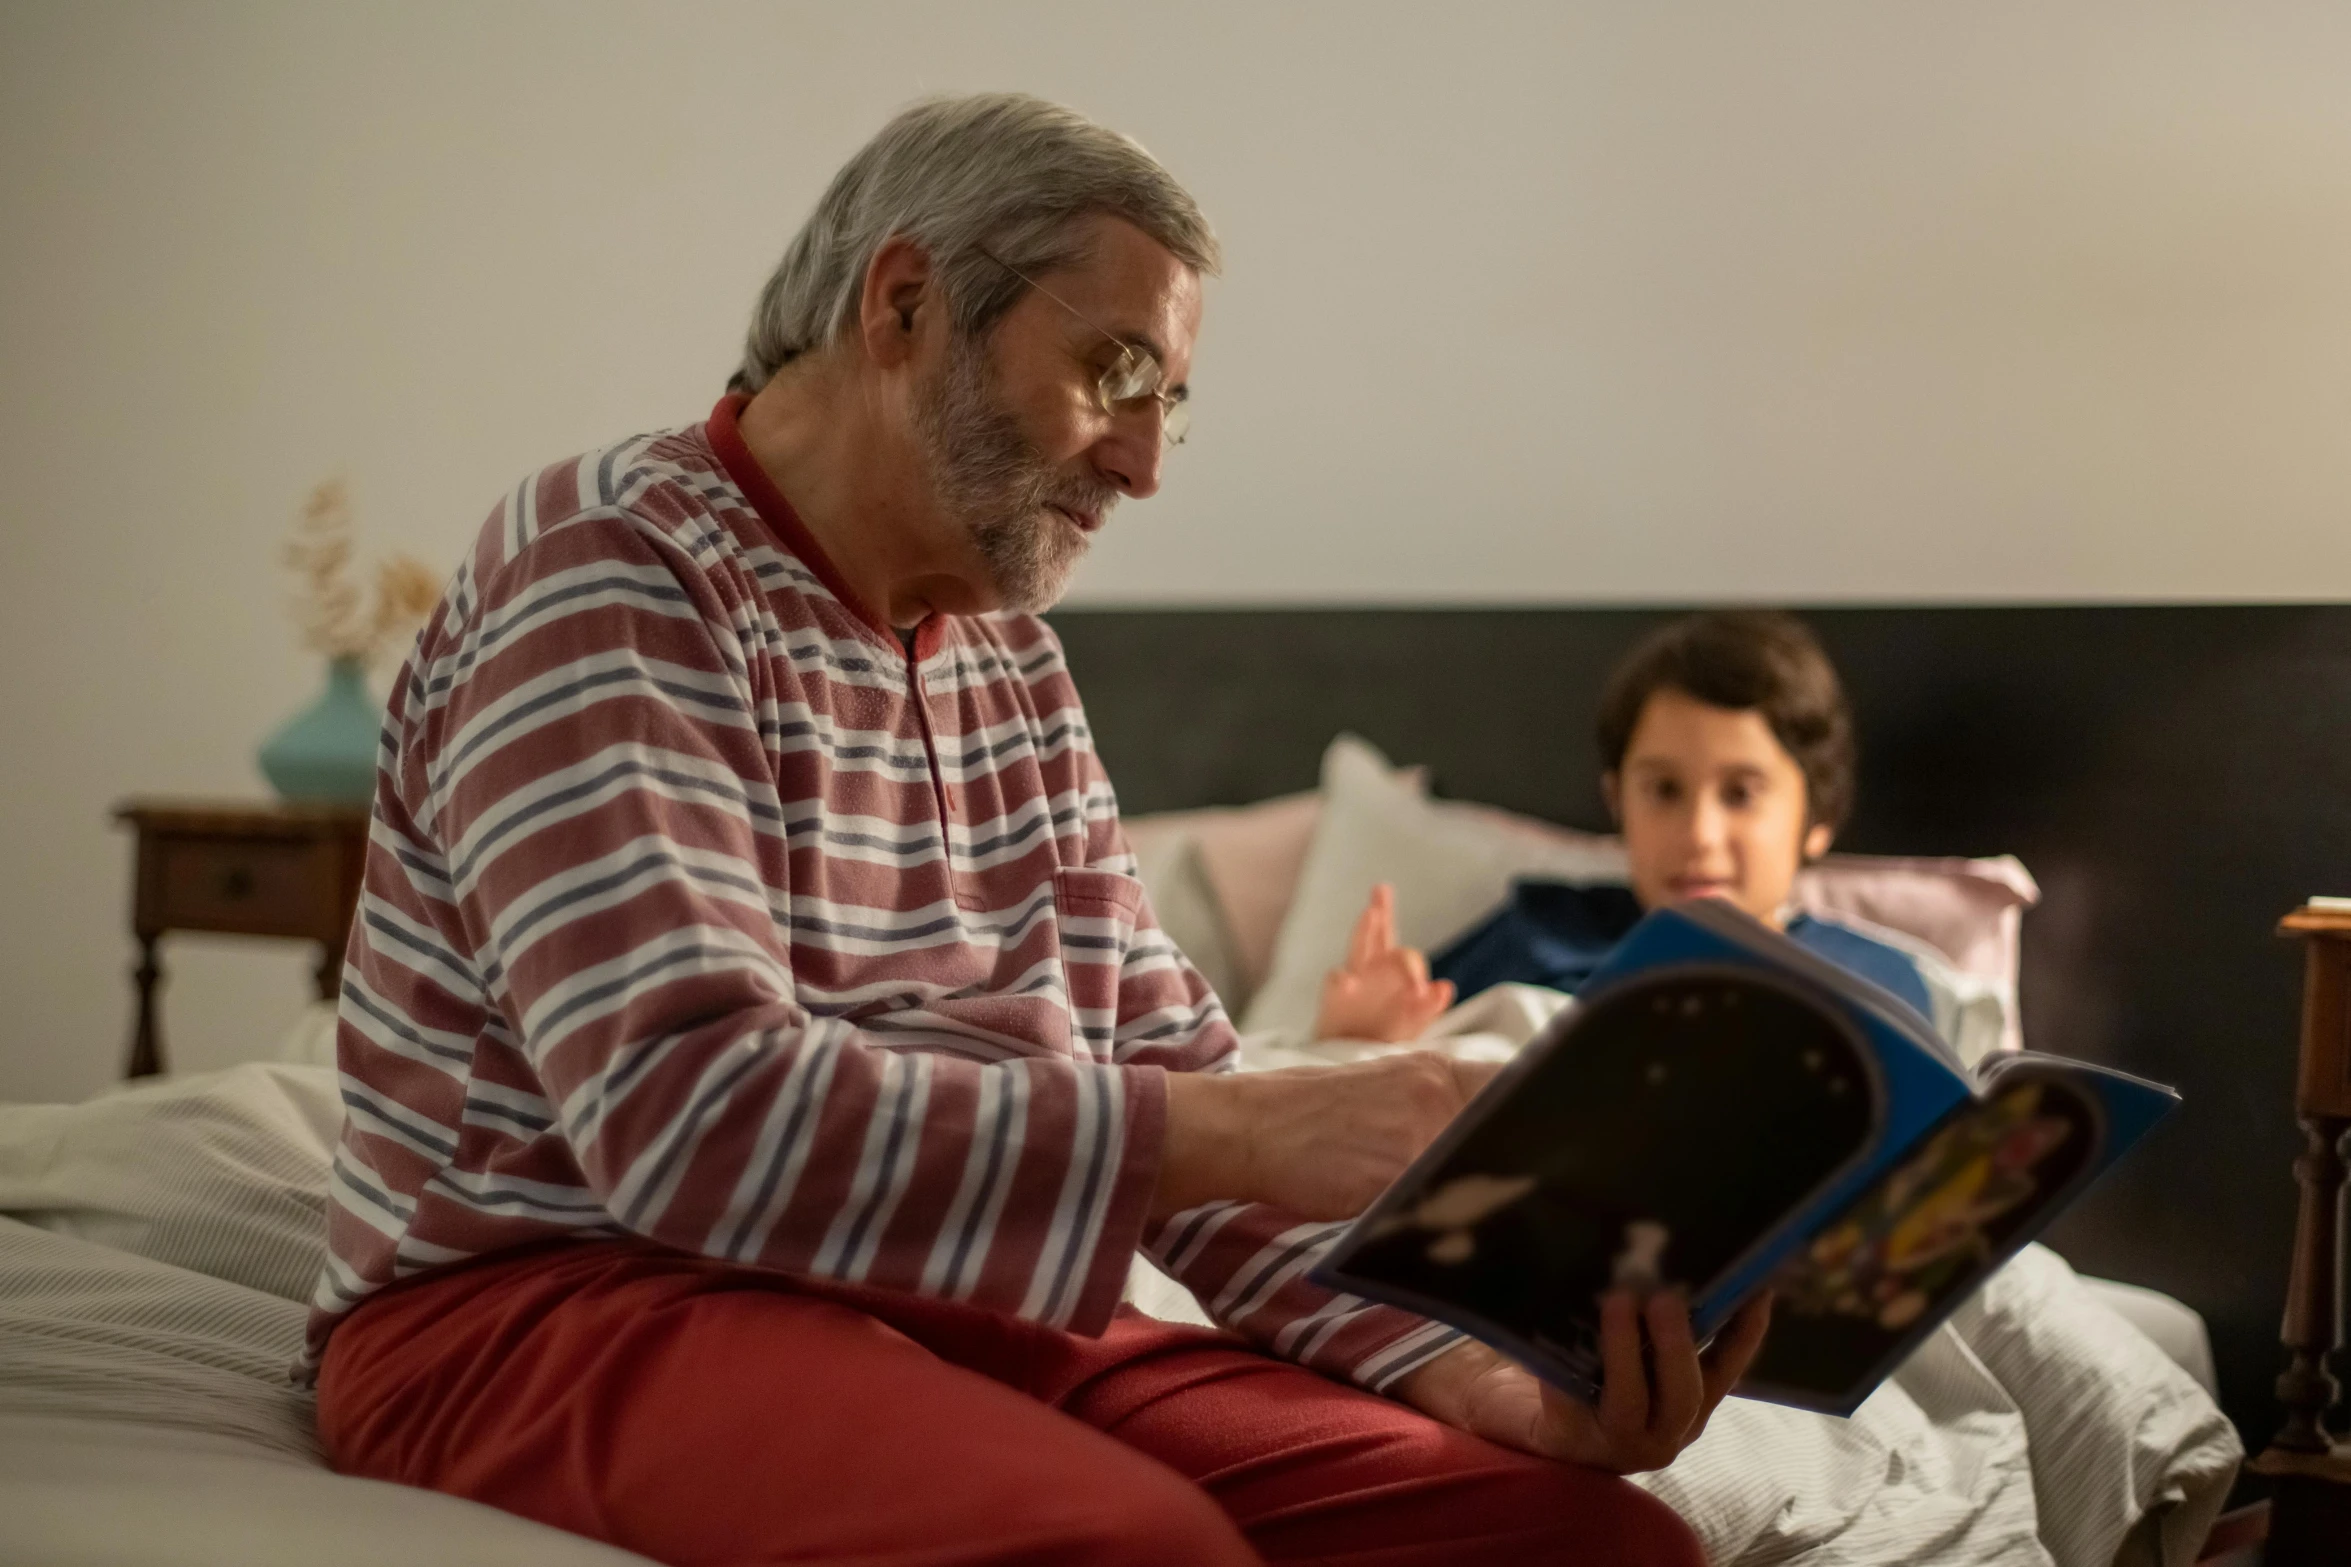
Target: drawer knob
(236, 882)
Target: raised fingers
(1373, 928)
(1383, 913)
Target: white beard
(988, 474)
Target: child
(1727, 757)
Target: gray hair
(1004, 171)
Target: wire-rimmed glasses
(1134, 375)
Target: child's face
(1712, 806)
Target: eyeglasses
(1133, 376)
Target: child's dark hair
(1744, 659)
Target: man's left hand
(1646, 1414)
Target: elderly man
(762, 1062)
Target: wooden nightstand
(281, 870)
(2310, 1509)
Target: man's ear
(1817, 839)
(1612, 791)
(896, 301)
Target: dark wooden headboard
(2177, 778)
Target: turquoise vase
(327, 752)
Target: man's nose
(1129, 456)
(1708, 822)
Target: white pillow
(1450, 864)
(224, 1173)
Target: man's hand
(1321, 1141)
(1383, 991)
(1646, 1416)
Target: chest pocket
(1096, 912)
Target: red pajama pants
(696, 1412)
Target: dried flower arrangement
(329, 608)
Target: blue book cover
(1724, 1111)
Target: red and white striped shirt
(698, 906)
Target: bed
(157, 1243)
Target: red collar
(726, 439)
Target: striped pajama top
(700, 906)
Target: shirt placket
(944, 795)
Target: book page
(1917, 1241)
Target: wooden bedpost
(2310, 1518)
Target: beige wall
(1527, 302)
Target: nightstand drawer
(248, 887)
(286, 869)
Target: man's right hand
(1321, 1142)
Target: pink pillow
(1253, 854)
(1971, 911)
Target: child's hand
(1383, 991)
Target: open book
(1722, 1112)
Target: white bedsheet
(146, 1418)
(157, 1245)
(223, 1173)
(93, 1493)
(2035, 1427)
